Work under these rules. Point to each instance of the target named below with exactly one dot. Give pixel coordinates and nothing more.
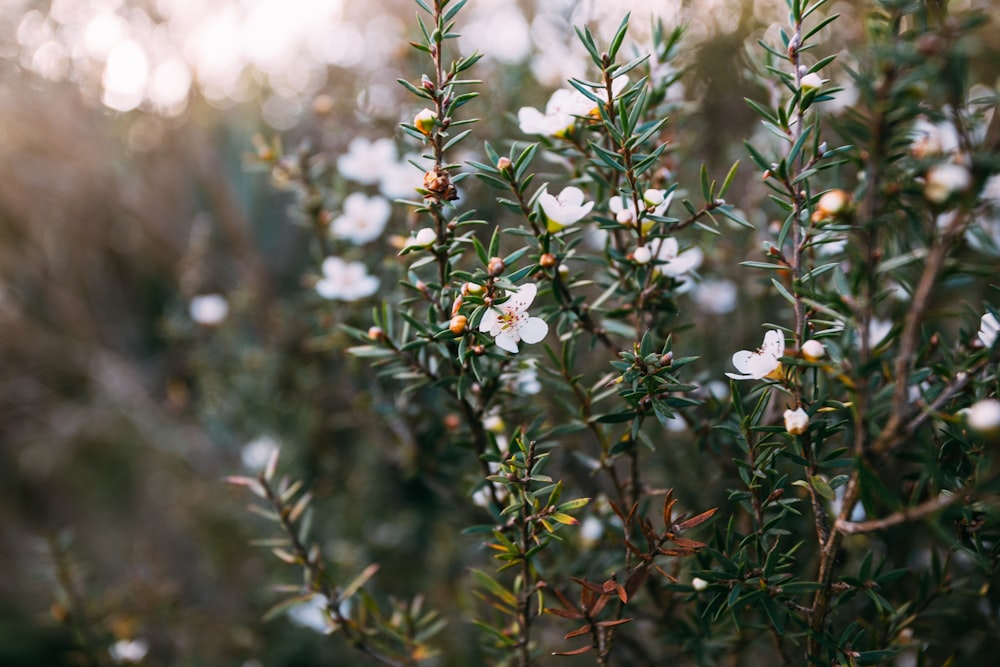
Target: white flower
(624, 208)
(716, 297)
(560, 113)
(509, 322)
(677, 263)
(128, 650)
(363, 218)
(984, 415)
(562, 110)
(699, 584)
(346, 281)
(989, 329)
(255, 454)
(312, 614)
(944, 180)
(400, 180)
(208, 310)
(796, 421)
(564, 209)
(931, 139)
(365, 161)
(765, 362)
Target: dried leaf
(695, 520)
(579, 651)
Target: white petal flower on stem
(562, 110)
(989, 329)
(365, 161)
(624, 208)
(560, 114)
(363, 218)
(509, 323)
(345, 281)
(765, 362)
(677, 263)
(564, 209)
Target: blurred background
(126, 195)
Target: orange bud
(458, 324)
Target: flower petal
(533, 330)
(774, 343)
(489, 324)
(522, 298)
(506, 341)
(743, 360)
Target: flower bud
(495, 266)
(813, 350)
(832, 204)
(547, 261)
(323, 105)
(458, 324)
(796, 421)
(504, 163)
(452, 421)
(984, 416)
(375, 333)
(652, 198)
(944, 180)
(699, 584)
(424, 238)
(563, 270)
(811, 81)
(424, 121)
(457, 305)
(625, 217)
(472, 289)
(642, 255)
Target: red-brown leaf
(579, 651)
(610, 624)
(695, 520)
(579, 631)
(685, 543)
